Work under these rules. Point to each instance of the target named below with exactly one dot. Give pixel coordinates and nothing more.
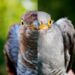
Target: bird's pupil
(50, 21)
(22, 23)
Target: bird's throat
(31, 52)
(29, 46)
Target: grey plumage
(68, 33)
(51, 52)
(56, 47)
(37, 51)
(27, 57)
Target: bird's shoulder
(12, 43)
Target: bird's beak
(43, 27)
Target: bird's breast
(31, 47)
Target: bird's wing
(68, 32)
(67, 29)
(11, 49)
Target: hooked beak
(43, 27)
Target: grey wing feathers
(68, 31)
(12, 43)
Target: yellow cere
(43, 26)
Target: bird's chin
(32, 34)
(43, 31)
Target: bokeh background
(58, 8)
(12, 10)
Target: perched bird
(38, 46)
(56, 48)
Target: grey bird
(38, 46)
(56, 48)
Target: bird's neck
(31, 50)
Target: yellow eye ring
(49, 23)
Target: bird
(27, 63)
(56, 48)
(39, 46)
(68, 32)
(17, 62)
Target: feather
(51, 51)
(27, 58)
(68, 32)
(11, 49)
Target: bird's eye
(49, 23)
(22, 22)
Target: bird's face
(44, 20)
(30, 21)
(37, 20)
(33, 26)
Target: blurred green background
(58, 8)
(12, 10)
(10, 13)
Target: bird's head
(36, 20)
(44, 20)
(33, 22)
